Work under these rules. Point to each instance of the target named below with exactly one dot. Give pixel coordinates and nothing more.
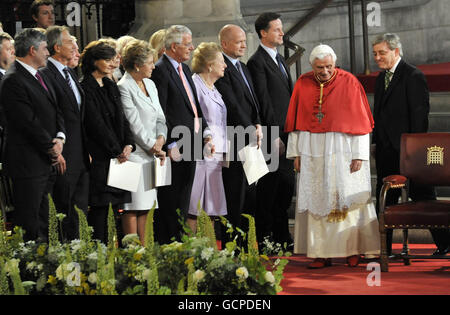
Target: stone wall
(423, 26)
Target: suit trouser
(274, 195)
(31, 205)
(71, 189)
(388, 163)
(173, 197)
(241, 198)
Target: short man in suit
(6, 53)
(239, 96)
(178, 99)
(273, 87)
(43, 13)
(35, 133)
(7, 57)
(72, 187)
(401, 106)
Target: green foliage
(193, 266)
(53, 239)
(205, 227)
(4, 283)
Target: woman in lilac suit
(208, 66)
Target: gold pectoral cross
(320, 115)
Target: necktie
(280, 64)
(67, 77)
(239, 68)
(69, 82)
(194, 108)
(387, 79)
(38, 76)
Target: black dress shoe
(441, 252)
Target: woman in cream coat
(148, 125)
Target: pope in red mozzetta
(329, 122)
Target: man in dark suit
(72, 187)
(401, 106)
(35, 133)
(6, 59)
(238, 93)
(273, 87)
(6, 52)
(178, 99)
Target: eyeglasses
(189, 45)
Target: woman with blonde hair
(157, 42)
(208, 66)
(148, 126)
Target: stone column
(205, 18)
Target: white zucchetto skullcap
(320, 52)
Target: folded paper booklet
(163, 174)
(124, 175)
(253, 163)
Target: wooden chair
(424, 159)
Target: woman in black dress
(108, 132)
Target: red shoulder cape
(345, 106)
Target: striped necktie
(387, 79)
(67, 77)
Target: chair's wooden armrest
(395, 181)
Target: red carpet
(423, 277)
(438, 78)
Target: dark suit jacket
(402, 108)
(272, 88)
(241, 107)
(75, 149)
(32, 122)
(173, 98)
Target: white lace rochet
(325, 183)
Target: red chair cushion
(421, 214)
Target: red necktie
(194, 108)
(38, 76)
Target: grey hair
(26, 39)
(54, 37)
(175, 34)
(321, 51)
(391, 39)
(4, 36)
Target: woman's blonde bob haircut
(135, 53)
(203, 56)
